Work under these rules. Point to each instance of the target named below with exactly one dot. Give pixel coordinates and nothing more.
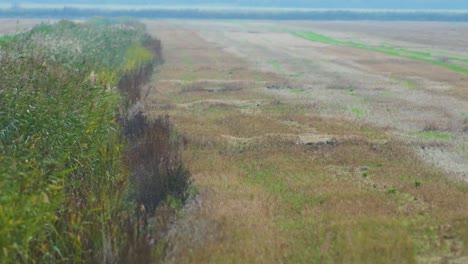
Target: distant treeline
(380, 4)
(257, 14)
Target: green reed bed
(63, 179)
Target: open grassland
(302, 154)
(407, 97)
(311, 147)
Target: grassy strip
(388, 50)
(62, 176)
(433, 135)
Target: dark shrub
(156, 167)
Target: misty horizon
(311, 4)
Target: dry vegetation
(348, 70)
(278, 181)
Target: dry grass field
(421, 103)
(308, 152)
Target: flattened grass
(63, 180)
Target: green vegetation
(352, 92)
(63, 178)
(279, 183)
(386, 49)
(296, 75)
(296, 91)
(433, 135)
(410, 85)
(137, 54)
(417, 183)
(464, 146)
(358, 112)
(276, 66)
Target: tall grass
(155, 174)
(63, 180)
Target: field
(310, 151)
(314, 142)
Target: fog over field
(362, 4)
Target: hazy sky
(407, 4)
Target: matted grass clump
(63, 178)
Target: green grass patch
(387, 94)
(296, 75)
(187, 60)
(63, 180)
(136, 55)
(358, 112)
(276, 66)
(296, 91)
(189, 77)
(351, 91)
(373, 134)
(433, 135)
(464, 146)
(386, 49)
(269, 41)
(408, 84)
(279, 186)
(365, 100)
